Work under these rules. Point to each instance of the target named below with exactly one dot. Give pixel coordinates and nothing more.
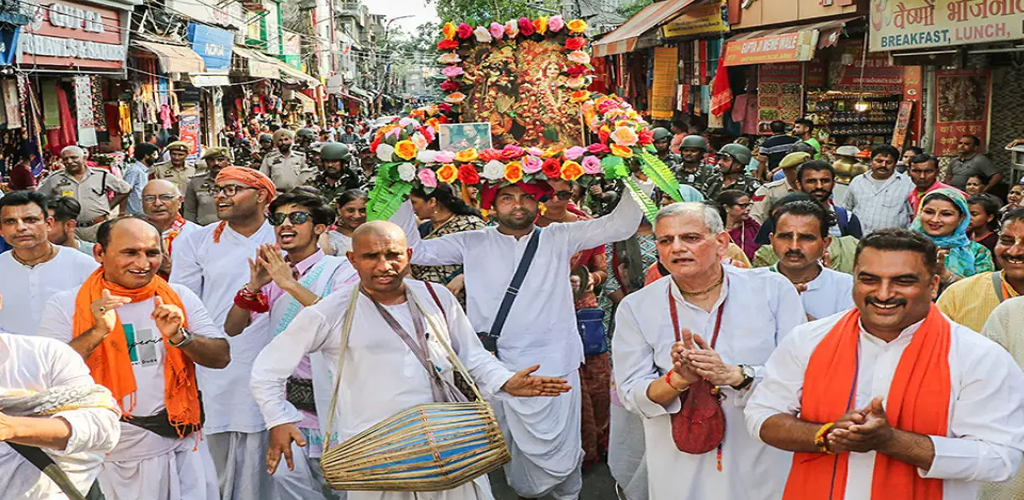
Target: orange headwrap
(111, 365)
(249, 177)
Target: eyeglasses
(229, 190)
(743, 205)
(562, 195)
(166, 198)
(296, 218)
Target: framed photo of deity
(458, 136)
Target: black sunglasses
(562, 195)
(296, 218)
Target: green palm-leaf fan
(657, 171)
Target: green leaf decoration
(645, 202)
(386, 196)
(612, 167)
(662, 176)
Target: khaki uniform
(287, 172)
(199, 206)
(178, 176)
(91, 193)
(766, 195)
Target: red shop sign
(69, 34)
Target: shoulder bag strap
(517, 281)
(346, 331)
(437, 300)
(442, 337)
(997, 284)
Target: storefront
(214, 46)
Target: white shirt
(26, 289)
(831, 292)
(541, 326)
(985, 441)
(37, 364)
(761, 307)
(215, 272)
(879, 204)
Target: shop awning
(259, 65)
(790, 44)
(175, 58)
(624, 38)
(359, 92)
(209, 80)
(308, 104)
(351, 97)
(290, 73)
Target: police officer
(337, 175)
(313, 160)
(266, 146)
(176, 170)
(90, 186)
(286, 167)
(199, 206)
(691, 169)
(732, 174)
(662, 140)
(766, 195)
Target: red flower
(447, 44)
(375, 143)
(442, 118)
(526, 27)
(603, 135)
(575, 43)
(444, 108)
(598, 148)
(552, 168)
(427, 134)
(645, 137)
(449, 86)
(468, 174)
(577, 70)
(465, 31)
(489, 154)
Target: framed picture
(458, 136)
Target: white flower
(385, 151)
(419, 140)
(426, 156)
(494, 170)
(407, 172)
(482, 35)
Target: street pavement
(597, 485)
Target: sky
(421, 11)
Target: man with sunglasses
(279, 287)
(207, 261)
(161, 202)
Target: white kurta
(831, 292)
(26, 289)
(38, 364)
(381, 376)
(541, 329)
(761, 307)
(985, 441)
(144, 464)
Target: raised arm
(619, 225)
(446, 250)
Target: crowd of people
(180, 332)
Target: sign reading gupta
(76, 35)
(916, 24)
(788, 47)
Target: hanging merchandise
(51, 114)
(12, 103)
(780, 94)
(96, 94)
(84, 104)
(64, 134)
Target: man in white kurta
(895, 280)
(1004, 327)
(145, 464)
(38, 364)
(34, 269)
(758, 308)
(381, 375)
(212, 263)
(543, 434)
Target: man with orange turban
(211, 262)
(142, 339)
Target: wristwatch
(748, 378)
(186, 338)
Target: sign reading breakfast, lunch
(67, 34)
(916, 24)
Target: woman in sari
(944, 217)
(442, 212)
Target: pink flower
(526, 26)
(511, 152)
(464, 31)
(535, 151)
(444, 157)
(556, 23)
(451, 71)
(606, 106)
(512, 29)
(427, 177)
(625, 136)
(598, 148)
(497, 31)
(574, 152)
(532, 164)
(591, 165)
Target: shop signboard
(8, 44)
(214, 45)
(698, 20)
(963, 99)
(899, 134)
(786, 47)
(780, 94)
(188, 125)
(868, 73)
(917, 24)
(69, 35)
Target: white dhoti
(147, 466)
(305, 481)
(543, 435)
(478, 489)
(626, 453)
(241, 462)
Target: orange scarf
(111, 365)
(918, 402)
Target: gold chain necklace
(706, 290)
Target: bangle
(668, 380)
(820, 438)
(255, 302)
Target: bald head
(378, 229)
(160, 186)
(161, 201)
(381, 255)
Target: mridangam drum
(429, 447)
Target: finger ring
(103, 309)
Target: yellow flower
(571, 170)
(514, 172)
(541, 24)
(579, 96)
(406, 149)
(449, 30)
(466, 155)
(577, 26)
(552, 151)
(622, 151)
(447, 173)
